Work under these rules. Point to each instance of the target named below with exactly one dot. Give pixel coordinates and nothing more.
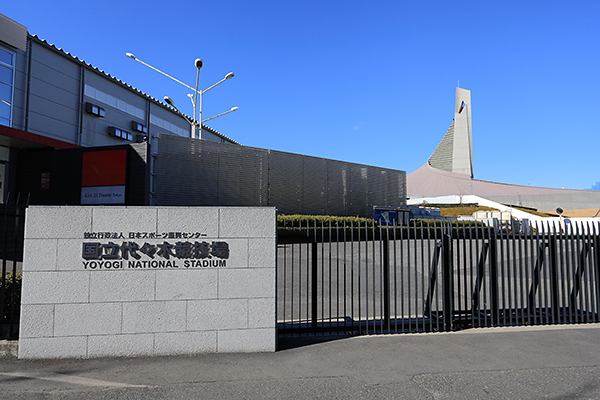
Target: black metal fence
(12, 225)
(362, 280)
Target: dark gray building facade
(194, 172)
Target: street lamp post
(193, 123)
(196, 97)
(218, 115)
(198, 63)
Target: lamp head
(199, 63)
(169, 101)
(229, 75)
(130, 56)
(234, 108)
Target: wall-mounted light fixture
(94, 110)
(120, 133)
(136, 126)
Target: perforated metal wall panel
(286, 182)
(199, 172)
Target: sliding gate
(348, 278)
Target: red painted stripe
(34, 138)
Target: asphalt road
(551, 362)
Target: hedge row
(302, 221)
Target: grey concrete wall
(74, 306)
(549, 202)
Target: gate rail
(358, 279)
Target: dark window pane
(6, 57)
(6, 74)
(4, 110)
(5, 92)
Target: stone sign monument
(140, 281)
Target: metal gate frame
(358, 279)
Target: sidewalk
(495, 363)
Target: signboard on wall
(45, 183)
(385, 216)
(103, 176)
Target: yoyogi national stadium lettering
(182, 254)
(155, 264)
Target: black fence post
(494, 301)
(314, 284)
(4, 304)
(597, 272)
(448, 278)
(386, 281)
(578, 279)
(552, 249)
(535, 281)
(14, 297)
(480, 279)
(432, 279)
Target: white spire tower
(455, 151)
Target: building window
(7, 74)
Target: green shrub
(298, 221)
(326, 221)
(425, 222)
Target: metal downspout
(80, 116)
(28, 90)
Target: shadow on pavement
(286, 343)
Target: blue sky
(366, 82)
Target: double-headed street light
(195, 97)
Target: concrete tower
(455, 151)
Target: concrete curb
(9, 348)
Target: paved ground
(499, 363)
